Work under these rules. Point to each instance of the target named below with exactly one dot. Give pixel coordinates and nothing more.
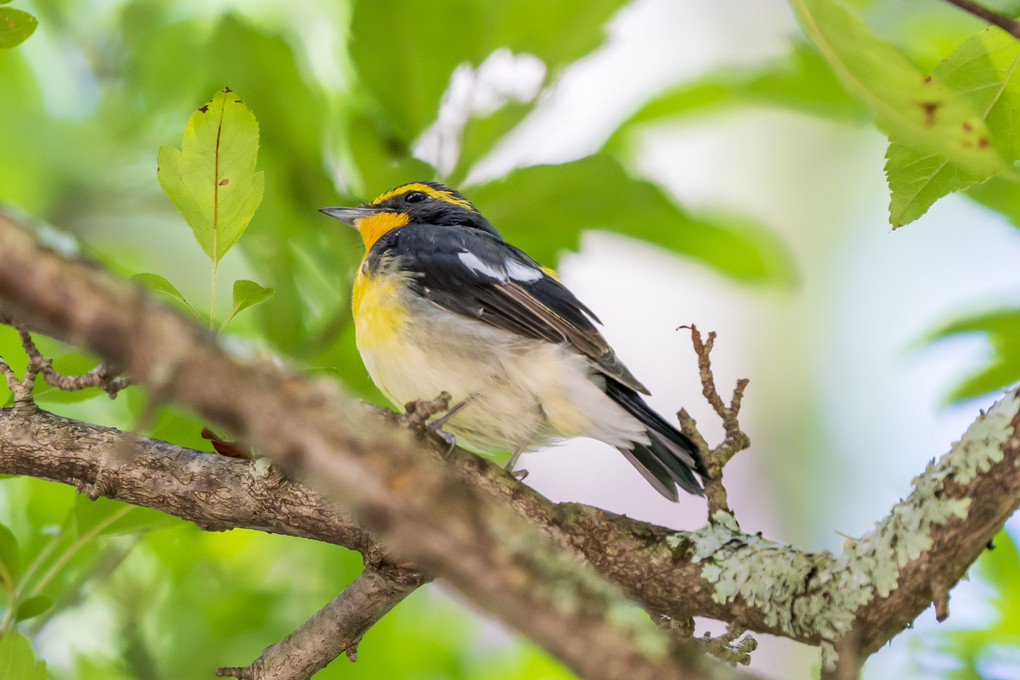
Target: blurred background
(679, 162)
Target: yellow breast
(378, 310)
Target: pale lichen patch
(818, 595)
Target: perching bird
(443, 303)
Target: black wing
(480, 276)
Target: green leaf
(909, 106)
(919, 178)
(382, 159)
(10, 558)
(983, 71)
(15, 26)
(1000, 194)
(1003, 331)
(246, 294)
(405, 56)
(17, 660)
(801, 80)
(597, 193)
(158, 284)
(1000, 567)
(212, 178)
(33, 606)
(481, 133)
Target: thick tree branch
(852, 602)
(480, 545)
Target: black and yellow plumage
(443, 303)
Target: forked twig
(102, 376)
(735, 440)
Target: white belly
(526, 392)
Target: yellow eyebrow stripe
(425, 189)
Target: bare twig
(735, 440)
(21, 389)
(102, 376)
(1004, 22)
(335, 629)
(12, 379)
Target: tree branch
(102, 376)
(481, 534)
(736, 440)
(1004, 22)
(492, 554)
(335, 629)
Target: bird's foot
(519, 475)
(449, 439)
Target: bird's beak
(350, 216)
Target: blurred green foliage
(343, 93)
(991, 652)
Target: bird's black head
(413, 203)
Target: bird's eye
(414, 197)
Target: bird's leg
(437, 424)
(519, 475)
(445, 418)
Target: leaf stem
(212, 300)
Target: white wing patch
(514, 270)
(474, 263)
(522, 272)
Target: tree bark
(526, 560)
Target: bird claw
(519, 475)
(450, 440)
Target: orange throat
(371, 228)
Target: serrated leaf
(15, 26)
(597, 193)
(10, 557)
(909, 106)
(33, 606)
(918, 178)
(983, 70)
(1002, 328)
(246, 294)
(17, 660)
(212, 178)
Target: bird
(443, 303)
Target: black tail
(671, 458)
